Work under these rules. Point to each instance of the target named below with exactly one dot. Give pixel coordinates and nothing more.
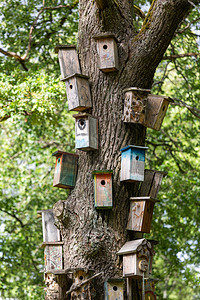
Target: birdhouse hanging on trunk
(86, 132)
(50, 232)
(135, 104)
(141, 213)
(156, 110)
(137, 258)
(114, 289)
(151, 184)
(149, 288)
(107, 51)
(132, 163)
(103, 189)
(65, 169)
(78, 92)
(53, 257)
(68, 60)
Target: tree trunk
(93, 237)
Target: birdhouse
(103, 189)
(149, 287)
(107, 51)
(50, 232)
(141, 213)
(156, 110)
(80, 277)
(86, 131)
(68, 60)
(65, 169)
(53, 257)
(114, 289)
(135, 105)
(151, 184)
(137, 258)
(132, 163)
(78, 92)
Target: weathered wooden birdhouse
(132, 163)
(53, 256)
(137, 258)
(149, 286)
(141, 213)
(151, 184)
(65, 169)
(114, 289)
(78, 92)
(156, 110)
(103, 189)
(80, 277)
(50, 232)
(135, 104)
(86, 132)
(68, 60)
(107, 51)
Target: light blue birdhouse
(132, 163)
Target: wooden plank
(69, 62)
(53, 257)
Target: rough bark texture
(93, 237)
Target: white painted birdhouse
(114, 289)
(137, 258)
(107, 51)
(135, 104)
(68, 60)
(86, 132)
(78, 92)
(50, 232)
(132, 163)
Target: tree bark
(93, 237)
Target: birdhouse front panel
(156, 110)
(152, 182)
(103, 189)
(53, 257)
(108, 54)
(141, 213)
(68, 60)
(132, 163)
(65, 169)
(135, 103)
(78, 92)
(129, 265)
(86, 131)
(114, 289)
(150, 290)
(50, 232)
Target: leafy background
(35, 122)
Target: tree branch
(139, 12)
(193, 110)
(14, 216)
(175, 56)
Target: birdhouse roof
(134, 147)
(64, 47)
(102, 172)
(155, 171)
(59, 153)
(158, 97)
(136, 89)
(131, 246)
(75, 75)
(145, 198)
(44, 244)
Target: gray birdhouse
(151, 184)
(141, 213)
(86, 132)
(107, 51)
(114, 289)
(137, 258)
(103, 189)
(132, 163)
(68, 60)
(78, 92)
(65, 169)
(53, 256)
(135, 104)
(50, 232)
(156, 110)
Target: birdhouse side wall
(50, 231)
(148, 215)
(69, 170)
(93, 133)
(125, 165)
(84, 96)
(57, 172)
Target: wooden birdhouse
(107, 51)
(68, 60)
(80, 277)
(86, 131)
(53, 257)
(141, 213)
(132, 163)
(151, 184)
(149, 286)
(156, 110)
(135, 104)
(65, 169)
(114, 289)
(50, 232)
(78, 92)
(137, 258)
(103, 189)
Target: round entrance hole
(81, 277)
(58, 160)
(71, 86)
(137, 157)
(103, 182)
(105, 47)
(163, 108)
(115, 288)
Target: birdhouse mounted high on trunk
(50, 232)
(103, 189)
